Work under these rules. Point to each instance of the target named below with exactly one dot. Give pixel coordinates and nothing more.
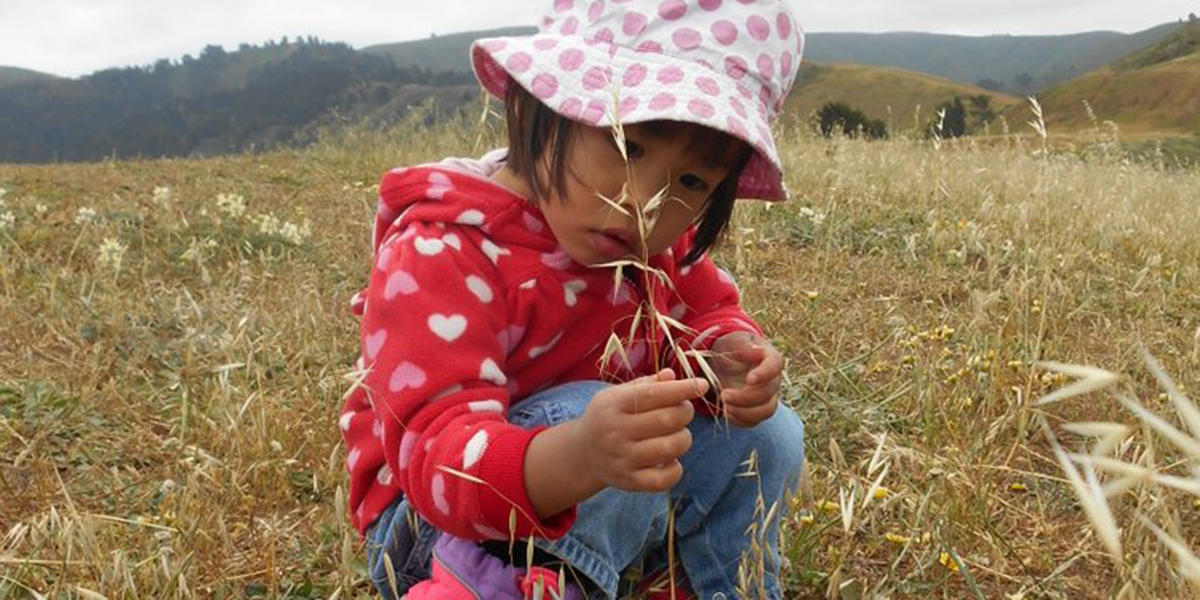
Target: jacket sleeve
(707, 302)
(434, 311)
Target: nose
(648, 188)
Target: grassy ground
(172, 366)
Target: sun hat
(724, 64)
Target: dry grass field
(172, 364)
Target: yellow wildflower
(1018, 487)
(948, 562)
(897, 539)
(881, 493)
(828, 506)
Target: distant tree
(838, 117)
(954, 122)
(212, 52)
(990, 84)
(1192, 18)
(1023, 82)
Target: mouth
(614, 243)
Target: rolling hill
(1155, 90)
(903, 99)
(17, 76)
(1016, 64)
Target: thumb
(750, 353)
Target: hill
(1156, 90)
(902, 99)
(442, 52)
(16, 76)
(1014, 64)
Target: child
(490, 410)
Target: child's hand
(633, 434)
(749, 368)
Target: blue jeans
(718, 514)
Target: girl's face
(591, 230)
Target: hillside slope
(17, 76)
(903, 99)
(1155, 90)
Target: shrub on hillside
(838, 117)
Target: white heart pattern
(375, 342)
(352, 458)
(384, 475)
(474, 449)
(571, 291)
(439, 184)
(407, 443)
(509, 337)
(537, 351)
(532, 223)
(452, 240)
(429, 246)
(486, 406)
(489, 371)
(344, 422)
(480, 288)
(448, 327)
(470, 217)
(493, 251)
(406, 376)
(438, 487)
(559, 259)
(400, 282)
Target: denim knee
(780, 444)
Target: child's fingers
(659, 478)
(770, 367)
(661, 450)
(663, 375)
(661, 394)
(749, 416)
(659, 422)
(751, 395)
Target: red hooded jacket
(471, 307)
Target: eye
(633, 150)
(693, 183)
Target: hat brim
(600, 84)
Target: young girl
(490, 410)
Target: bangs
(717, 148)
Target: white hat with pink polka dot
(725, 64)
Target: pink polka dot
(570, 59)
(686, 38)
(634, 75)
(669, 75)
(547, 21)
(766, 66)
(738, 107)
(593, 113)
(571, 108)
(662, 101)
(784, 25)
(710, 5)
(545, 43)
(595, 10)
(745, 92)
(725, 32)
(627, 105)
(563, 5)
(735, 67)
(708, 86)
(764, 95)
(495, 45)
(544, 86)
(736, 127)
(701, 108)
(635, 23)
(596, 78)
(603, 36)
(785, 64)
(649, 47)
(570, 26)
(519, 62)
(758, 27)
(672, 9)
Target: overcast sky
(76, 37)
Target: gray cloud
(74, 37)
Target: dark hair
(534, 130)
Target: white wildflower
(817, 217)
(198, 250)
(162, 195)
(7, 220)
(110, 254)
(295, 234)
(3, 193)
(40, 209)
(233, 205)
(85, 216)
(268, 224)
